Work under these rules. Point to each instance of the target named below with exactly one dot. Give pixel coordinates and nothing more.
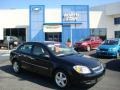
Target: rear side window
(39, 51)
(25, 49)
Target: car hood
(81, 60)
(108, 46)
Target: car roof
(45, 42)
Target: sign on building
(36, 23)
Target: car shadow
(38, 79)
(113, 65)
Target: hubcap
(11, 46)
(61, 79)
(16, 67)
(88, 48)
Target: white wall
(103, 17)
(13, 18)
(53, 15)
(112, 9)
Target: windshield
(61, 50)
(110, 42)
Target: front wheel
(61, 79)
(11, 46)
(88, 48)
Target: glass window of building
(117, 20)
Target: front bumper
(87, 79)
(106, 53)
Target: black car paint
(48, 65)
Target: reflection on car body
(66, 66)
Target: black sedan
(63, 64)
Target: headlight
(113, 49)
(97, 49)
(81, 69)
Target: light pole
(71, 35)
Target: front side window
(25, 48)
(39, 51)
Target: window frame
(117, 20)
(19, 49)
(40, 47)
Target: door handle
(31, 58)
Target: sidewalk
(4, 51)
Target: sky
(4, 4)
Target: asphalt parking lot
(29, 81)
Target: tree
(68, 40)
(69, 44)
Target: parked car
(13, 42)
(87, 44)
(65, 65)
(110, 47)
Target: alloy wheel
(61, 79)
(16, 67)
(88, 48)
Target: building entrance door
(17, 32)
(53, 37)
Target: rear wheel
(16, 67)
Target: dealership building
(38, 23)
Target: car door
(40, 60)
(24, 55)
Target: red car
(87, 44)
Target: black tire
(76, 49)
(97, 55)
(11, 46)
(16, 67)
(61, 79)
